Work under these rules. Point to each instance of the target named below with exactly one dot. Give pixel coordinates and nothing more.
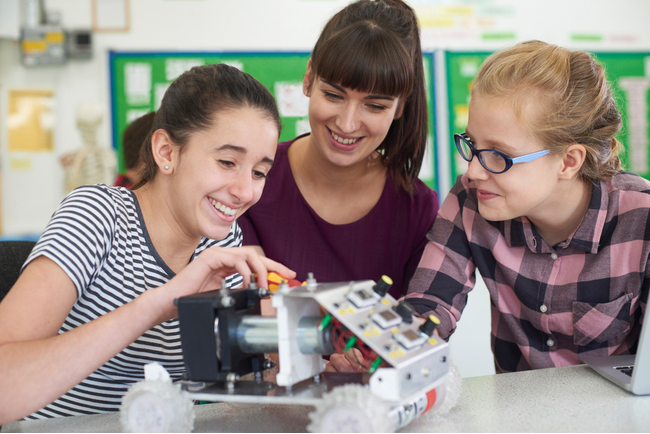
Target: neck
(310, 166)
(562, 220)
(174, 245)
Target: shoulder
(625, 191)
(98, 199)
(627, 181)
(281, 155)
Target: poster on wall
(139, 81)
(31, 120)
(628, 74)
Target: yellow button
(55, 37)
(31, 46)
(367, 334)
(394, 330)
(351, 310)
(376, 332)
(393, 355)
(386, 302)
(400, 353)
(342, 311)
(432, 341)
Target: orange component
(275, 280)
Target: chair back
(13, 255)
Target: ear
(307, 80)
(163, 149)
(572, 160)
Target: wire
(344, 340)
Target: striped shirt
(98, 237)
(551, 305)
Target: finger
(340, 363)
(279, 268)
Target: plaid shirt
(550, 305)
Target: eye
(259, 175)
(333, 96)
(377, 107)
(226, 163)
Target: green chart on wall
(628, 74)
(139, 81)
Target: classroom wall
(259, 25)
(32, 182)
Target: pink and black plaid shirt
(551, 305)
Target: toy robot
(406, 367)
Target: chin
(492, 215)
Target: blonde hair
(561, 96)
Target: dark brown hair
(194, 100)
(133, 137)
(561, 96)
(374, 47)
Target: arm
(38, 365)
(423, 222)
(445, 274)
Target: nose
(347, 120)
(241, 187)
(475, 170)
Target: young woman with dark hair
(345, 201)
(95, 300)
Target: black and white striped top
(98, 237)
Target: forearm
(35, 373)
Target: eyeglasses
(491, 160)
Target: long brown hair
(374, 47)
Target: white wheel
(449, 392)
(351, 408)
(157, 406)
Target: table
(567, 399)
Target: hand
(207, 271)
(351, 361)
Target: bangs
(365, 58)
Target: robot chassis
(225, 342)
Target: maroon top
(389, 240)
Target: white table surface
(569, 399)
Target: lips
(485, 195)
(229, 212)
(344, 143)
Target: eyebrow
(342, 89)
(243, 151)
(504, 147)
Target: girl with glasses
(558, 231)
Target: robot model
(225, 340)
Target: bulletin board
(139, 81)
(628, 74)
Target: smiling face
(526, 189)
(347, 126)
(221, 171)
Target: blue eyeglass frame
(509, 161)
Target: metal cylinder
(259, 334)
(312, 340)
